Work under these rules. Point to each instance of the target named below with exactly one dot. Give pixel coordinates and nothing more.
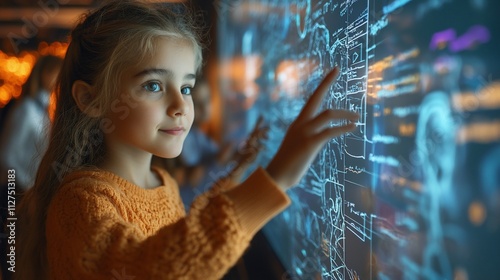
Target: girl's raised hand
(307, 135)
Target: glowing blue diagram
(414, 191)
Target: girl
(98, 209)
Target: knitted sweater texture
(101, 226)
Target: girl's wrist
(274, 173)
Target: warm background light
(15, 69)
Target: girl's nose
(177, 106)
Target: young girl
(98, 209)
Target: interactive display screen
(414, 191)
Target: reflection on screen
(414, 192)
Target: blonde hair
(103, 44)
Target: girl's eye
(186, 90)
(152, 86)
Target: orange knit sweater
(100, 226)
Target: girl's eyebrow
(164, 72)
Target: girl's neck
(134, 167)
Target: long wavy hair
(119, 34)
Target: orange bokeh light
(15, 70)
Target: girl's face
(154, 109)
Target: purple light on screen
(441, 37)
(476, 34)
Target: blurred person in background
(23, 138)
(25, 134)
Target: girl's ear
(83, 96)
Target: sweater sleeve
(87, 238)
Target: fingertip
(354, 116)
(350, 126)
(331, 76)
(333, 73)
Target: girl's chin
(169, 154)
